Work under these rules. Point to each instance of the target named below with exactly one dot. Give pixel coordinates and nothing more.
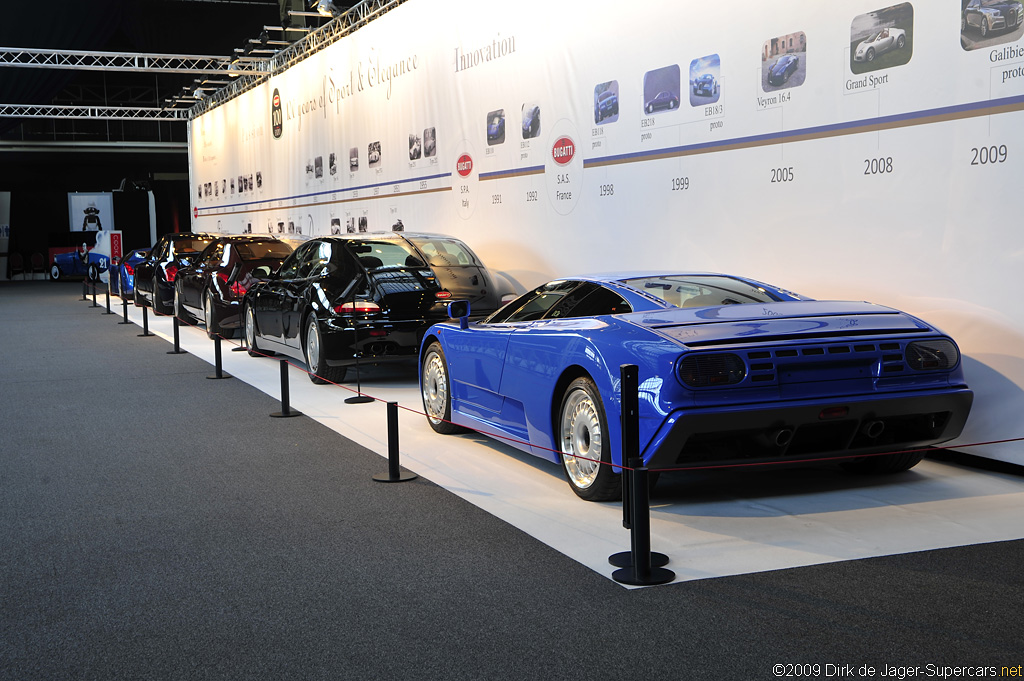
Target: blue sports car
(80, 263)
(730, 371)
(122, 277)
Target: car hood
(769, 322)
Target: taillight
(223, 277)
(443, 295)
(171, 271)
(129, 270)
(936, 354)
(363, 306)
(238, 289)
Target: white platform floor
(710, 524)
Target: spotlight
(327, 8)
(198, 94)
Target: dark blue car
(731, 371)
(781, 70)
(122, 277)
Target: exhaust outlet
(873, 429)
(782, 437)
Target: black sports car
(154, 276)
(365, 296)
(781, 70)
(213, 287)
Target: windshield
(701, 290)
(442, 252)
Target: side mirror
(459, 309)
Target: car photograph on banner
(731, 371)
(784, 62)
(882, 39)
(661, 89)
(705, 80)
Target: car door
(269, 300)
(478, 358)
(194, 280)
(294, 291)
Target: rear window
(444, 252)
(191, 245)
(701, 290)
(263, 249)
(376, 254)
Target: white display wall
(891, 180)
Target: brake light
(129, 270)
(171, 271)
(364, 306)
(238, 289)
(443, 295)
(223, 277)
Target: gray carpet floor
(158, 525)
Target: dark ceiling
(59, 150)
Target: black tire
(582, 440)
(983, 27)
(93, 272)
(900, 42)
(435, 389)
(249, 332)
(180, 312)
(870, 56)
(55, 272)
(319, 371)
(884, 464)
(213, 327)
(159, 308)
(137, 297)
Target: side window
(211, 256)
(318, 261)
(290, 266)
(589, 300)
(533, 305)
(161, 249)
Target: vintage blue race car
(730, 371)
(80, 263)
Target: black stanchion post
(286, 409)
(124, 310)
(145, 323)
(106, 293)
(177, 346)
(94, 303)
(642, 571)
(359, 397)
(629, 398)
(395, 472)
(218, 371)
(85, 289)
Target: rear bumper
(372, 342)
(800, 430)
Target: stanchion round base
(143, 335)
(287, 414)
(403, 476)
(359, 399)
(109, 312)
(659, 575)
(624, 559)
(177, 352)
(240, 348)
(222, 375)
(123, 322)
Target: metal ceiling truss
(103, 113)
(138, 62)
(344, 24)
